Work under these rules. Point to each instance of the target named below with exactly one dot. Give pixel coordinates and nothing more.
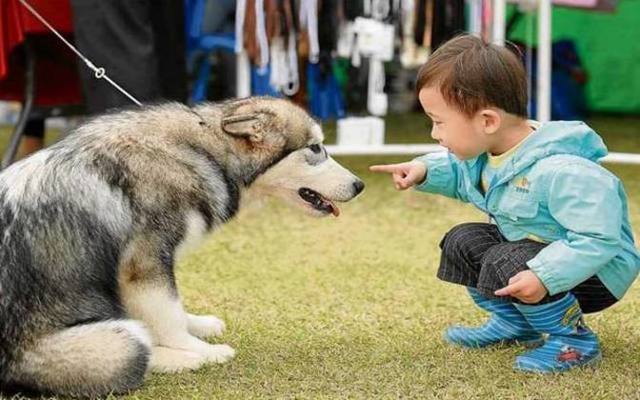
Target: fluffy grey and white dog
(91, 226)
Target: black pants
(477, 255)
(34, 128)
(140, 43)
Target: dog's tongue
(334, 209)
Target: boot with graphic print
(570, 343)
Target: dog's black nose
(358, 186)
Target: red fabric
(57, 79)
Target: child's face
(465, 137)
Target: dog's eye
(315, 148)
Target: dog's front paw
(168, 360)
(219, 353)
(204, 326)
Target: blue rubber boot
(570, 343)
(506, 325)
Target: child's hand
(405, 174)
(524, 286)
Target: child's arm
(586, 201)
(443, 176)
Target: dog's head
(311, 179)
(287, 144)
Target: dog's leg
(165, 318)
(204, 326)
(148, 294)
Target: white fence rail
(416, 149)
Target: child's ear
(491, 120)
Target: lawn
(351, 308)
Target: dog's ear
(249, 126)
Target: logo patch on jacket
(521, 184)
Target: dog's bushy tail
(87, 360)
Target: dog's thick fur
(91, 226)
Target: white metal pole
(544, 61)
(499, 21)
(243, 75)
(475, 17)
(243, 67)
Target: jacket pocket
(517, 207)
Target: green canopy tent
(608, 44)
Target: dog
(91, 227)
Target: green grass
(350, 307)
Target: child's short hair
(472, 74)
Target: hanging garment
(274, 19)
(261, 35)
(296, 74)
(281, 33)
(419, 21)
(448, 21)
(309, 20)
(249, 40)
(325, 98)
(327, 34)
(412, 55)
(423, 22)
(357, 87)
(353, 9)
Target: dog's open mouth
(318, 202)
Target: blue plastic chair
(260, 85)
(325, 97)
(205, 43)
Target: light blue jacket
(552, 188)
